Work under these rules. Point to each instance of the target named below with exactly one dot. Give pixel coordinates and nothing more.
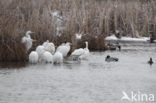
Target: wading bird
(57, 58)
(33, 57)
(49, 46)
(27, 40)
(64, 49)
(81, 53)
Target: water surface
(88, 81)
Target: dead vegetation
(95, 19)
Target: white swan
(49, 46)
(47, 57)
(33, 57)
(81, 53)
(64, 49)
(27, 40)
(58, 58)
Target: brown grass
(95, 18)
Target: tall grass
(94, 18)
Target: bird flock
(48, 53)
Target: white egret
(33, 57)
(64, 49)
(58, 58)
(49, 46)
(27, 40)
(40, 50)
(81, 53)
(47, 57)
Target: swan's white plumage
(27, 40)
(58, 58)
(64, 49)
(33, 57)
(47, 57)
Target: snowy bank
(127, 39)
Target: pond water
(88, 81)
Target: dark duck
(150, 61)
(111, 59)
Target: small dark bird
(119, 46)
(152, 39)
(150, 61)
(111, 59)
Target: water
(90, 81)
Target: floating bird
(47, 57)
(81, 53)
(111, 59)
(150, 61)
(33, 57)
(57, 58)
(64, 49)
(49, 46)
(27, 40)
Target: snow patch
(126, 38)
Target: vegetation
(94, 18)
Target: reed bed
(95, 19)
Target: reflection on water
(89, 81)
(10, 65)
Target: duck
(150, 61)
(64, 48)
(81, 53)
(27, 40)
(33, 57)
(111, 59)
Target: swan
(64, 48)
(49, 46)
(47, 57)
(58, 58)
(81, 53)
(33, 57)
(27, 40)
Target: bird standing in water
(150, 61)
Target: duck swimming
(150, 61)
(111, 59)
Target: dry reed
(94, 18)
